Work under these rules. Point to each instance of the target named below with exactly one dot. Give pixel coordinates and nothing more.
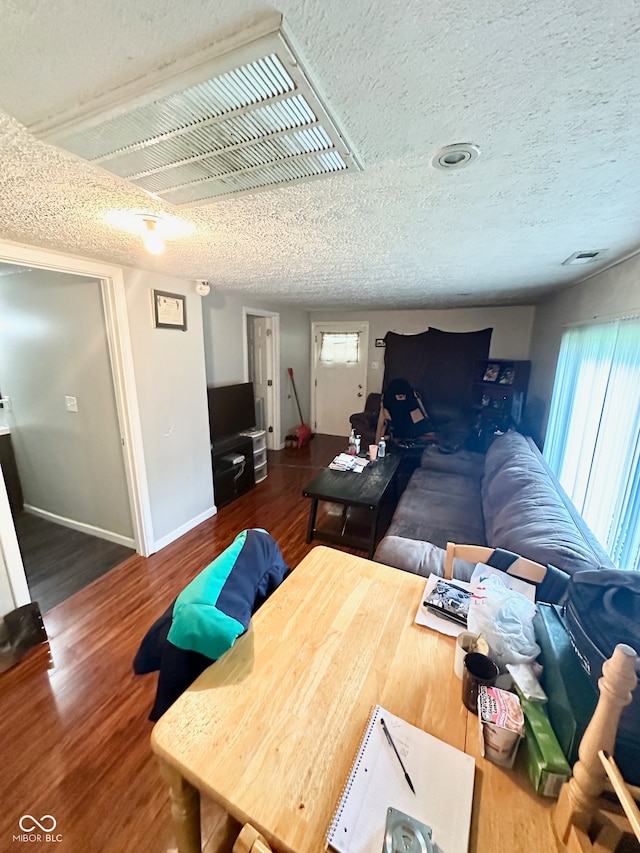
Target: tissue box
(548, 767)
(501, 725)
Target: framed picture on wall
(491, 372)
(169, 310)
(507, 375)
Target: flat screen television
(232, 409)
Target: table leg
(345, 519)
(374, 530)
(185, 809)
(312, 519)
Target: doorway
(339, 374)
(115, 322)
(262, 367)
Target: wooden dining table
(270, 730)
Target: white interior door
(340, 352)
(257, 331)
(262, 367)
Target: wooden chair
(250, 841)
(583, 821)
(522, 568)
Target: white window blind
(340, 347)
(593, 435)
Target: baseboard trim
(159, 544)
(91, 529)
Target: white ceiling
(548, 91)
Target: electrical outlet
(375, 365)
(71, 404)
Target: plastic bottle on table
(382, 448)
(352, 443)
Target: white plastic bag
(504, 618)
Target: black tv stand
(232, 477)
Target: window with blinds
(593, 436)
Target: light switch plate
(71, 404)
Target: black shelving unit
(233, 475)
(498, 398)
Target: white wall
(612, 293)
(53, 343)
(224, 353)
(171, 383)
(7, 601)
(511, 337)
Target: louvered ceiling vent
(243, 116)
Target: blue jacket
(209, 615)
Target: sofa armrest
(418, 557)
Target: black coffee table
(364, 491)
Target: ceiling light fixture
(453, 157)
(153, 242)
(152, 228)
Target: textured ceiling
(548, 91)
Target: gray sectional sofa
(507, 499)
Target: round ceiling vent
(455, 156)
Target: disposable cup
(373, 452)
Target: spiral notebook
(441, 774)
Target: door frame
(337, 326)
(272, 414)
(121, 356)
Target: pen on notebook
(393, 746)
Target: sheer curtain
(340, 347)
(593, 435)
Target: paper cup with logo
(501, 725)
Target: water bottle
(352, 443)
(382, 448)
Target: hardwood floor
(75, 738)
(59, 561)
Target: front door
(339, 380)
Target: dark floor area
(59, 561)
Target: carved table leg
(185, 809)
(578, 800)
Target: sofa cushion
(463, 462)
(512, 447)
(525, 511)
(437, 508)
(411, 555)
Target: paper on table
(427, 617)
(346, 462)
(443, 777)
